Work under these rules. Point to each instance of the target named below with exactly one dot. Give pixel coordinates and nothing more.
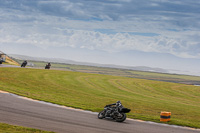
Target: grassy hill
(146, 98)
(175, 78)
(11, 61)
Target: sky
(154, 33)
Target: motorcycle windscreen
(125, 110)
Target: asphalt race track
(40, 115)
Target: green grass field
(146, 98)
(175, 78)
(6, 128)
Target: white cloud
(74, 24)
(99, 41)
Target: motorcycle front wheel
(121, 117)
(101, 115)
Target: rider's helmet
(118, 103)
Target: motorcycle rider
(48, 66)
(114, 111)
(118, 103)
(24, 63)
(112, 106)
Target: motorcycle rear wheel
(101, 115)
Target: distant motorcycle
(114, 111)
(24, 64)
(48, 66)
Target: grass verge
(6, 128)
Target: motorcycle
(114, 111)
(48, 66)
(24, 64)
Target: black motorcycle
(114, 111)
(48, 66)
(24, 64)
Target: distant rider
(24, 64)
